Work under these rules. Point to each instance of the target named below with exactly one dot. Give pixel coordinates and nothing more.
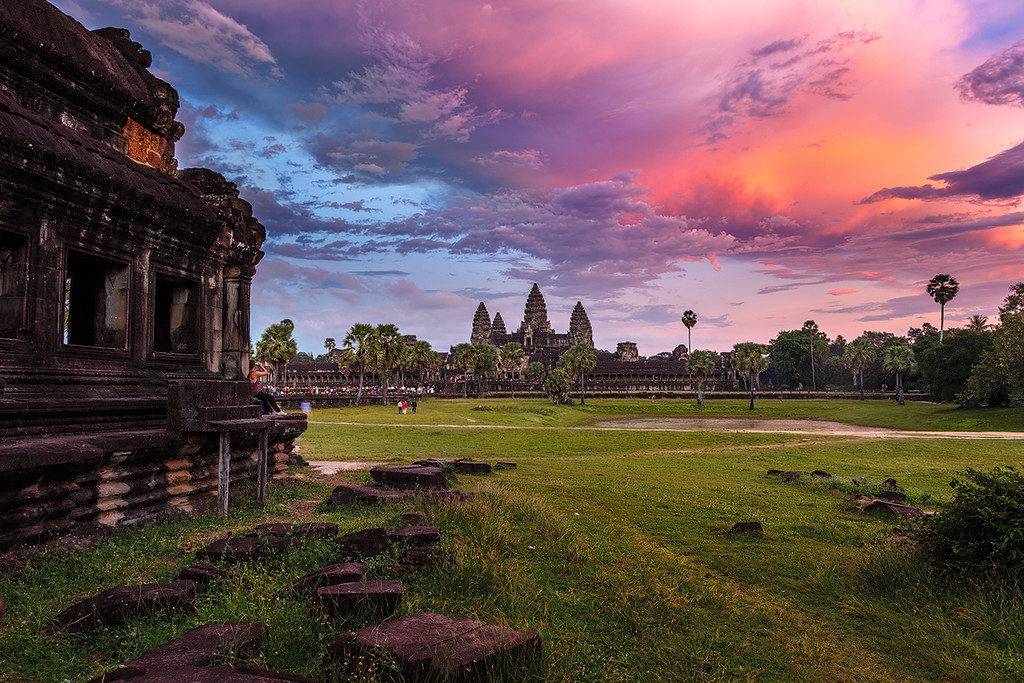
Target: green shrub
(981, 530)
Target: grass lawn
(612, 544)
(914, 415)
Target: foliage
(751, 360)
(1014, 302)
(277, 346)
(701, 364)
(946, 364)
(485, 364)
(510, 357)
(387, 348)
(898, 358)
(464, 358)
(359, 338)
(577, 362)
(857, 355)
(556, 384)
(998, 376)
(942, 288)
(536, 371)
(981, 530)
(978, 323)
(791, 355)
(345, 359)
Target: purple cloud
(1000, 80)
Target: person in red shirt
(257, 374)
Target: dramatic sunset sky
(761, 162)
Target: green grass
(612, 544)
(914, 415)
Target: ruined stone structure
(627, 352)
(579, 326)
(124, 294)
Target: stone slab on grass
(413, 559)
(890, 508)
(429, 646)
(365, 542)
(347, 493)
(347, 572)
(303, 530)
(199, 656)
(115, 605)
(410, 477)
(234, 550)
(504, 465)
(416, 536)
(202, 573)
(344, 599)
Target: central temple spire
(535, 315)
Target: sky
(760, 162)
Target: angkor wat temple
(124, 294)
(535, 334)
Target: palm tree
(978, 323)
(423, 355)
(813, 333)
(898, 358)
(536, 371)
(277, 347)
(942, 288)
(330, 345)
(751, 359)
(464, 358)
(359, 339)
(485, 364)
(857, 355)
(577, 362)
(701, 364)
(389, 347)
(510, 356)
(689, 319)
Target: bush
(980, 531)
(557, 386)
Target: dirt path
(735, 425)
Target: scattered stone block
(416, 536)
(198, 656)
(472, 467)
(201, 573)
(316, 530)
(347, 493)
(891, 485)
(753, 528)
(365, 542)
(429, 646)
(234, 550)
(344, 599)
(116, 605)
(892, 496)
(414, 558)
(296, 460)
(410, 477)
(504, 465)
(891, 508)
(347, 572)
(412, 519)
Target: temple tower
(580, 330)
(535, 315)
(498, 326)
(481, 326)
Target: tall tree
(556, 384)
(485, 364)
(978, 323)
(942, 288)
(423, 359)
(577, 362)
(898, 358)
(858, 354)
(360, 338)
(277, 346)
(689, 320)
(751, 360)
(1014, 302)
(330, 345)
(702, 365)
(345, 359)
(814, 339)
(388, 350)
(510, 356)
(536, 371)
(464, 358)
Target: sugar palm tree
(422, 355)
(359, 338)
(978, 323)
(464, 358)
(577, 362)
(898, 358)
(536, 371)
(485, 364)
(277, 347)
(700, 364)
(942, 288)
(388, 349)
(751, 359)
(330, 344)
(857, 355)
(689, 319)
(510, 356)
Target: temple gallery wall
(124, 294)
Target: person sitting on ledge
(257, 373)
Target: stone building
(124, 294)
(535, 333)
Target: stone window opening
(174, 315)
(13, 280)
(95, 301)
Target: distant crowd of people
(405, 405)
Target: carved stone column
(235, 355)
